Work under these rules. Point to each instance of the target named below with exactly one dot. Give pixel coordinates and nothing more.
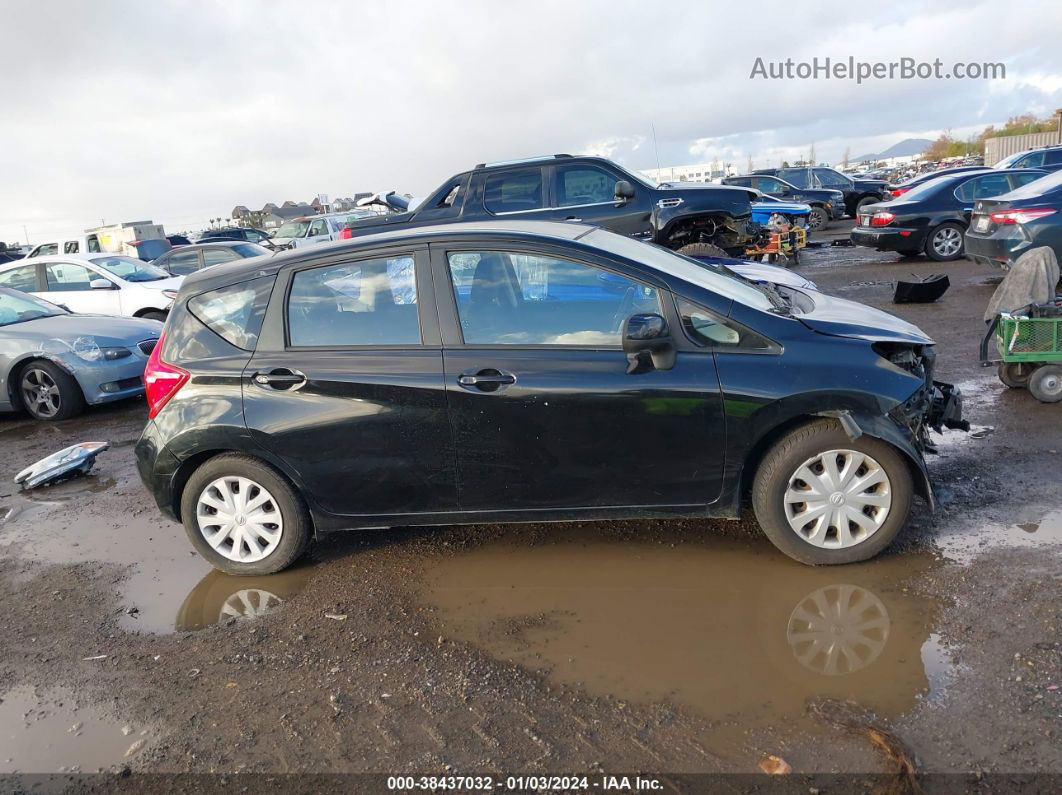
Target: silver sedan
(53, 362)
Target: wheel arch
(854, 424)
(15, 373)
(188, 466)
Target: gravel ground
(667, 647)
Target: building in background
(699, 172)
(271, 216)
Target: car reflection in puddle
(724, 627)
(221, 597)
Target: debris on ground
(775, 766)
(77, 459)
(921, 291)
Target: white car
(316, 228)
(95, 284)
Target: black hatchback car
(932, 218)
(528, 371)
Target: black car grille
(147, 346)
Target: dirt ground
(662, 647)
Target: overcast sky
(179, 111)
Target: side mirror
(648, 344)
(785, 191)
(624, 191)
(101, 284)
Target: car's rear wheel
(702, 250)
(819, 219)
(1016, 374)
(823, 498)
(1045, 384)
(243, 517)
(48, 392)
(864, 202)
(945, 243)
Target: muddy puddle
(167, 586)
(727, 628)
(48, 732)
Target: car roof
(252, 267)
(86, 258)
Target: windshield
(131, 270)
(721, 281)
(16, 307)
(1007, 162)
(293, 229)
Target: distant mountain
(906, 147)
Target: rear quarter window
(234, 313)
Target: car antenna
(655, 147)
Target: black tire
(297, 526)
(702, 250)
(794, 449)
(864, 202)
(155, 314)
(935, 241)
(1045, 384)
(68, 401)
(1016, 374)
(819, 219)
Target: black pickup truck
(857, 192)
(826, 205)
(693, 218)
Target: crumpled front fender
(882, 427)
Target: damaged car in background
(619, 380)
(53, 362)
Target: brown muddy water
(48, 732)
(727, 628)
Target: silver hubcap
(838, 499)
(816, 220)
(39, 393)
(947, 241)
(1051, 384)
(838, 629)
(239, 519)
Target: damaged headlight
(87, 349)
(915, 359)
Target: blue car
(53, 362)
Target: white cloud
(178, 111)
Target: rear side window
(369, 302)
(234, 313)
(216, 256)
(182, 263)
(249, 250)
(23, 277)
(514, 191)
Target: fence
(998, 148)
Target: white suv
(96, 284)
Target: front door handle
(486, 380)
(280, 378)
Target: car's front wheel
(243, 517)
(819, 219)
(49, 393)
(823, 498)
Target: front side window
(48, 249)
(768, 185)
(21, 278)
(511, 298)
(370, 302)
(69, 277)
(1017, 180)
(1034, 160)
(70, 247)
(318, 227)
(828, 178)
(514, 191)
(801, 177)
(584, 185)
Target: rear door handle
(280, 378)
(486, 380)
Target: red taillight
(346, 234)
(898, 192)
(161, 380)
(882, 219)
(1022, 216)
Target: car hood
(107, 330)
(842, 318)
(172, 283)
